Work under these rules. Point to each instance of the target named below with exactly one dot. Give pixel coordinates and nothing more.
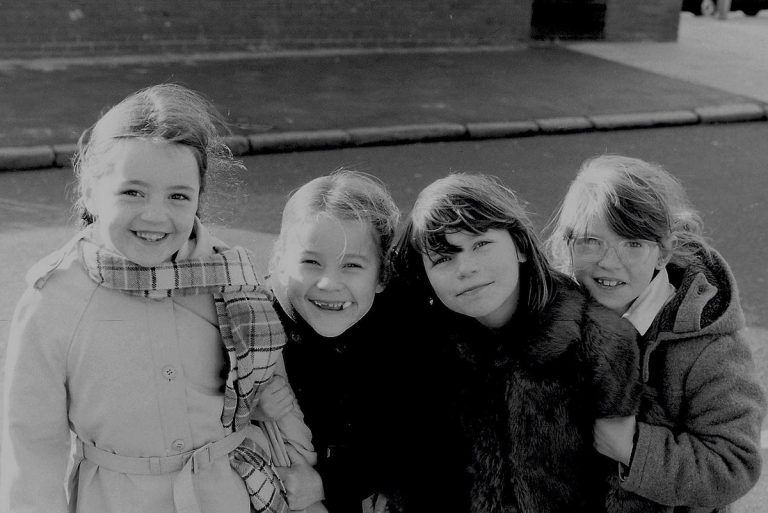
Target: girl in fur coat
(627, 232)
(524, 360)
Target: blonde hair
(164, 112)
(636, 199)
(474, 203)
(344, 195)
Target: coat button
(178, 445)
(169, 372)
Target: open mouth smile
(151, 236)
(608, 284)
(334, 306)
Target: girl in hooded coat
(627, 232)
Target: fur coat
(528, 399)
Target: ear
(521, 257)
(663, 260)
(665, 254)
(380, 287)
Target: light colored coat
(138, 377)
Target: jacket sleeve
(293, 429)
(35, 428)
(611, 343)
(713, 457)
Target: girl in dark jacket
(328, 267)
(532, 361)
(627, 232)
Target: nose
(467, 265)
(328, 281)
(154, 211)
(610, 258)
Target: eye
(439, 259)
(310, 261)
(479, 244)
(179, 196)
(591, 241)
(352, 265)
(132, 192)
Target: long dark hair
(474, 203)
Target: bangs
(628, 214)
(432, 224)
(631, 220)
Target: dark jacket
(698, 440)
(520, 405)
(336, 382)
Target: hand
(302, 482)
(376, 503)
(276, 399)
(614, 437)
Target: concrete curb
(60, 155)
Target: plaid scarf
(250, 329)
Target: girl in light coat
(122, 335)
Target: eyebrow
(309, 252)
(357, 255)
(185, 188)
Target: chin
(330, 332)
(617, 306)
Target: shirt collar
(648, 304)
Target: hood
(706, 301)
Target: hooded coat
(698, 430)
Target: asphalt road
(722, 166)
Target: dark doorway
(568, 19)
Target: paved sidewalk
(331, 100)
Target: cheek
(367, 287)
(188, 213)
(643, 273)
(580, 270)
(438, 285)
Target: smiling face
(145, 205)
(613, 283)
(481, 279)
(329, 270)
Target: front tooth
(346, 305)
(150, 236)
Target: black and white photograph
(356, 256)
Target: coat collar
(648, 305)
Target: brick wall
(636, 20)
(45, 27)
(31, 28)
